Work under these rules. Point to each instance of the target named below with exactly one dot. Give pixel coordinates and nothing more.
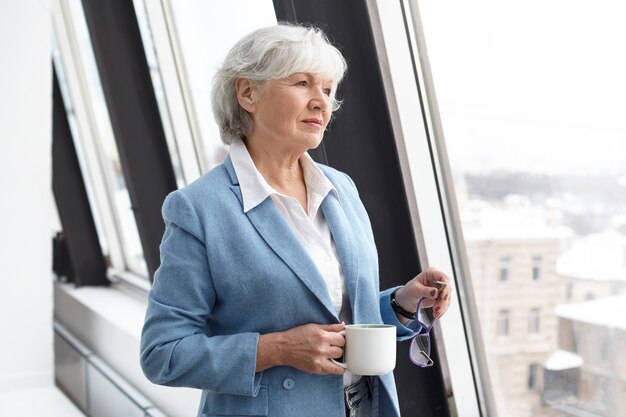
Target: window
(78, 145)
(505, 267)
(569, 291)
(94, 140)
(165, 108)
(533, 321)
(537, 263)
(205, 31)
(603, 349)
(602, 393)
(503, 323)
(533, 376)
(575, 341)
(506, 104)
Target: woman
(267, 256)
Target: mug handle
(342, 364)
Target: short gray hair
(267, 54)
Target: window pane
(537, 264)
(503, 323)
(532, 101)
(533, 320)
(505, 266)
(533, 375)
(80, 154)
(206, 31)
(159, 93)
(111, 166)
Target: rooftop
(560, 360)
(514, 219)
(599, 257)
(607, 312)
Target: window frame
(88, 266)
(503, 328)
(180, 108)
(533, 377)
(70, 65)
(409, 86)
(536, 267)
(135, 118)
(534, 321)
(504, 268)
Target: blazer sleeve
(403, 332)
(175, 349)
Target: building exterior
(592, 325)
(512, 252)
(596, 331)
(604, 277)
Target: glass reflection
(159, 92)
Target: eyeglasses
(419, 352)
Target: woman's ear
(245, 94)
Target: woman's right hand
(308, 348)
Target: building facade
(596, 331)
(512, 252)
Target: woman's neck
(279, 166)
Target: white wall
(26, 354)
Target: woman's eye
(327, 91)
(302, 83)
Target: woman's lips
(313, 122)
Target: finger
(440, 308)
(433, 275)
(443, 299)
(337, 339)
(418, 290)
(428, 303)
(442, 295)
(445, 290)
(439, 311)
(336, 327)
(332, 369)
(335, 352)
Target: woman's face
(293, 112)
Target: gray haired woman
(266, 257)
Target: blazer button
(289, 383)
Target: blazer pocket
(236, 405)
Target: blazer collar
(255, 189)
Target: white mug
(370, 349)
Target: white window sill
(108, 321)
(114, 304)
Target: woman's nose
(320, 101)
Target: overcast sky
(530, 85)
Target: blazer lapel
(275, 230)
(347, 248)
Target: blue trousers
(358, 398)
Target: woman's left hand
(425, 285)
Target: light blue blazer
(227, 276)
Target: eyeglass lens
(425, 317)
(419, 351)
